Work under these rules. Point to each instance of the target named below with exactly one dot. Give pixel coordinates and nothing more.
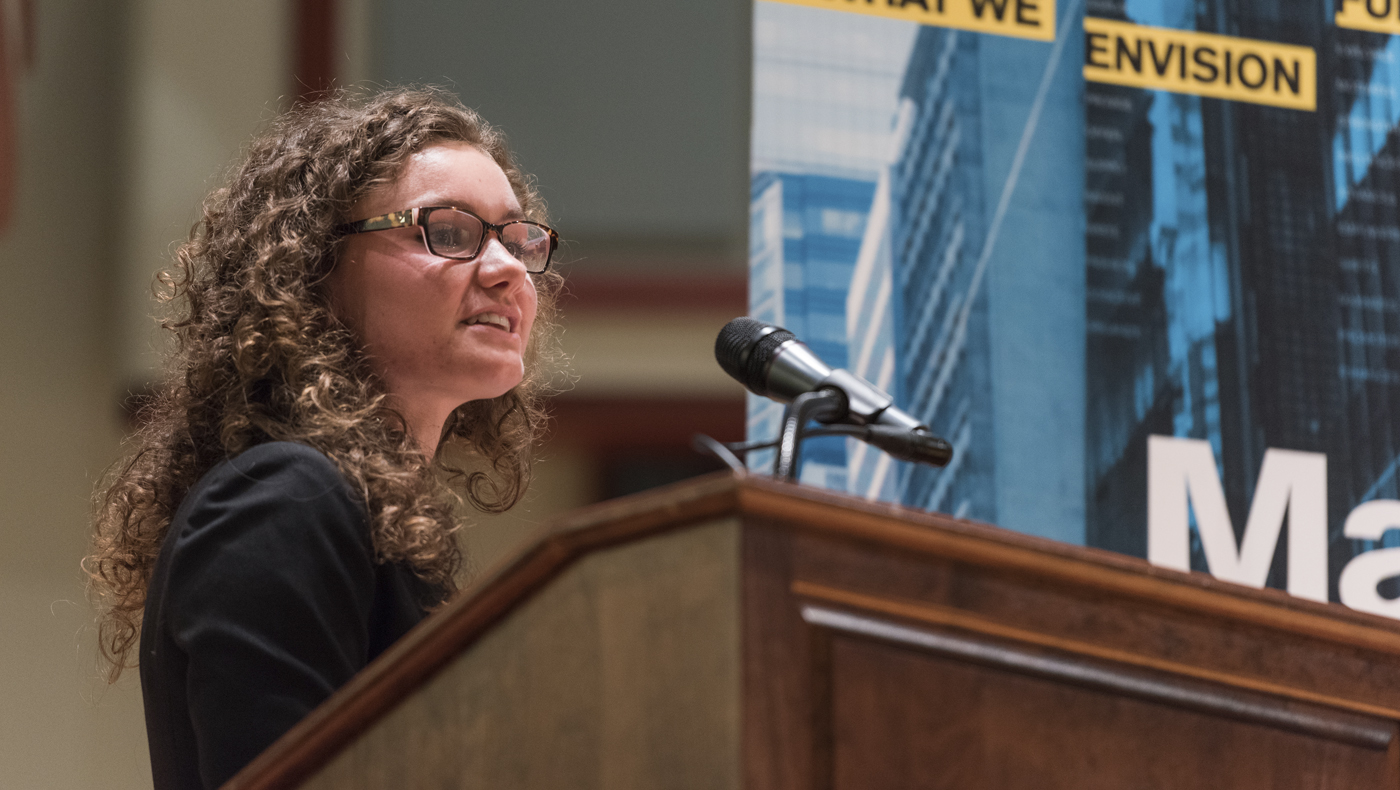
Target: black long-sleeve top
(264, 600)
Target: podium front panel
(882, 655)
(905, 716)
(621, 673)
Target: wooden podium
(737, 632)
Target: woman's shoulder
(288, 468)
(270, 461)
(267, 485)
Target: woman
(370, 287)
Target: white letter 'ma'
(1181, 474)
(1357, 584)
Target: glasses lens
(529, 243)
(453, 234)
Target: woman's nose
(496, 266)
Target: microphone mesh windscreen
(735, 341)
(745, 347)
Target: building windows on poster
(870, 330)
(1224, 267)
(825, 103)
(1373, 111)
(822, 228)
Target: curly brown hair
(262, 358)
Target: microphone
(770, 361)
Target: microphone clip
(827, 405)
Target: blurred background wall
(117, 117)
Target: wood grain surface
(623, 673)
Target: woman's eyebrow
(438, 200)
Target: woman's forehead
(455, 174)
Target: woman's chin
(484, 388)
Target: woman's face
(420, 316)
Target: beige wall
(125, 118)
(200, 78)
(58, 727)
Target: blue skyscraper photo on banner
(1137, 260)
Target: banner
(1142, 269)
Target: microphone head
(745, 349)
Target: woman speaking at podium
(370, 287)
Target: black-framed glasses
(450, 232)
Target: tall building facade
(1152, 302)
(1269, 200)
(1212, 300)
(1366, 178)
(942, 334)
(870, 330)
(825, 97)
(801, 282)
(987, 251)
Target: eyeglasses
(460, 235)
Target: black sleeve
(269, 597)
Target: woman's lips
(491, 319)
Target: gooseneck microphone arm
(770, 361)
(819, 405)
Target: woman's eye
(446, 237)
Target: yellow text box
(1033, 19)
(1204, 64)
(1375, 16)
